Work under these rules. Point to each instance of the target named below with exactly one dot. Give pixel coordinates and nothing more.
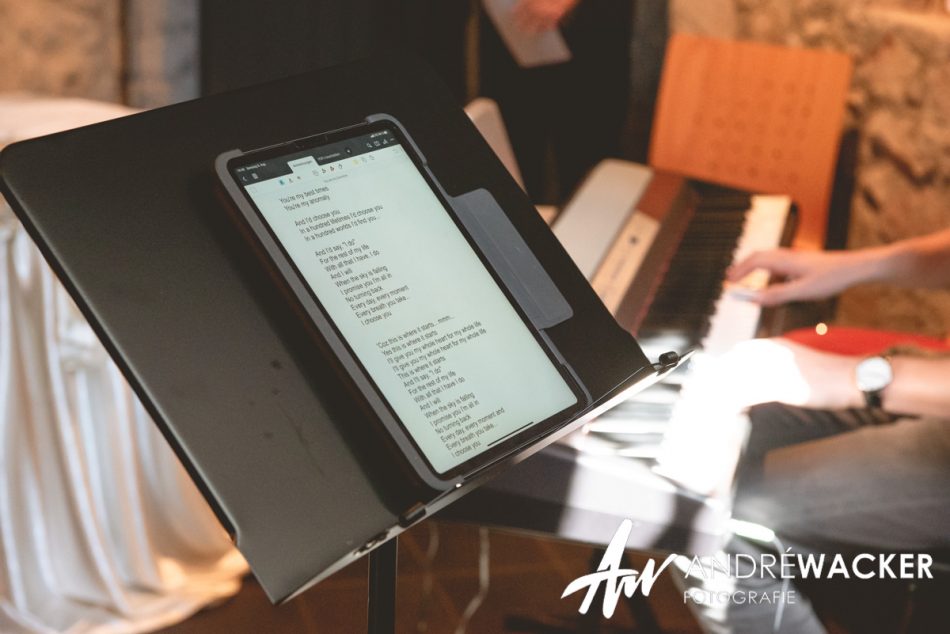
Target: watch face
(873, 374)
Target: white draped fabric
(101, 530)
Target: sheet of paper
(528, 49)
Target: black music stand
(125, 212)
(381, 602)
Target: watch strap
(872, 398)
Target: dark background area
(245, 42)
(618, 46)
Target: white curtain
(101, 530)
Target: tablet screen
(454, 360)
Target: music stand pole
(382, 589)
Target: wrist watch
(872, 375)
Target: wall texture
(141, 52)
(900, 106)
(61, 47)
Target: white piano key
(734, 319)
(620, 426)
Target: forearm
(921, 386)
(922, 262)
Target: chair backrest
(486, 116)
(755, 116)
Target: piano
(655, 247)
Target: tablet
(362, 236)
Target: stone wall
(900, 106)
(140, 52)
(61, 47)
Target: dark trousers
(842, 481)
(572, 112)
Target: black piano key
(685, 299)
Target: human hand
(810, 274)
(536, 16)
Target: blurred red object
(862, 341)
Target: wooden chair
(754, 116)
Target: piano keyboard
(691, 300)
(656, 250)
(684, 308)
